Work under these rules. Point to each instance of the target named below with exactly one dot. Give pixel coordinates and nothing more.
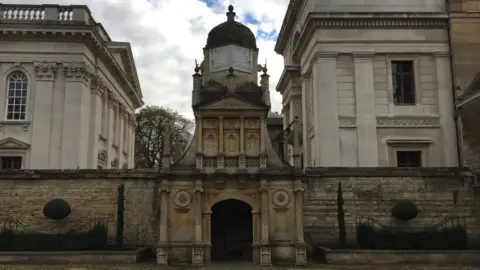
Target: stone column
(95, 123)
(128, 139)
(112, 104)
(121, 135)
(76, 120)
(198, 120)
(221, 157)
(307, 152)
(365, 105)
(327, 134)
(256, 235)
(262, 135)
(445, 104)
(45, 75)
(162, 252)
(242, 156)
(265, 251)
(242, 134)
(131, 152)
(220, 134)
(300, 246)
(197, 250)
(206, 237)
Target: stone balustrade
(15, 13)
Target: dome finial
(230, 14)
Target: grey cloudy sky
(168, 35)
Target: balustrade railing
(44, 13)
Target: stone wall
(372, 192)
(367, 192)
(91, 195)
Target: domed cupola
(231, 33)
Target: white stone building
(67, 91)
(370, 82)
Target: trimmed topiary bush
(57, 209)
(405, 210)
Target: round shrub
(57, 209)
(405, 210)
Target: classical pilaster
(221, 156)
(242, 157)
(121, 135)
(300, 246)
(131, 131)
(112, 104)
(445, 104)
(45, 76)
(262, 135)
(327, 134)
(306, 82)
(76, 120)
(365, 105)
(197, 251)
(97, 92)
(162, 253)
(265, 251)
(256, 235)
(207, 237)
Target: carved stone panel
(232, 124)
(252, 142)
(210, 141)
(251, 123)
(210, 123)
(232, 143)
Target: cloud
(168, 35)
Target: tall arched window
(17, 96)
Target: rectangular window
(409, 159)
(403, 82)
(10, 163)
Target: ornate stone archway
(207, 215)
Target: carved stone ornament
(182, 199)
(45, 70)
(77, 71)
(408, 121)
(281, 198)
(98, 86)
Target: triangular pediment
(230, 103)
(12, 143)
(122, 53)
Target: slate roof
(473, 88)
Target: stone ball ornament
(57, 209)
(281, 198)
(182, 199)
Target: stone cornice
(154, 174)
(408, 122)
(85, 33)
(287, 74)
(368, 21)
(287, 25)
(45, 71)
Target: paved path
(234, 267)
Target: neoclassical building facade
(67, 94)
(370, 82)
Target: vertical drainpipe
(452, 75)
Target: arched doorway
(231, 231)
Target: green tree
(151, 124)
